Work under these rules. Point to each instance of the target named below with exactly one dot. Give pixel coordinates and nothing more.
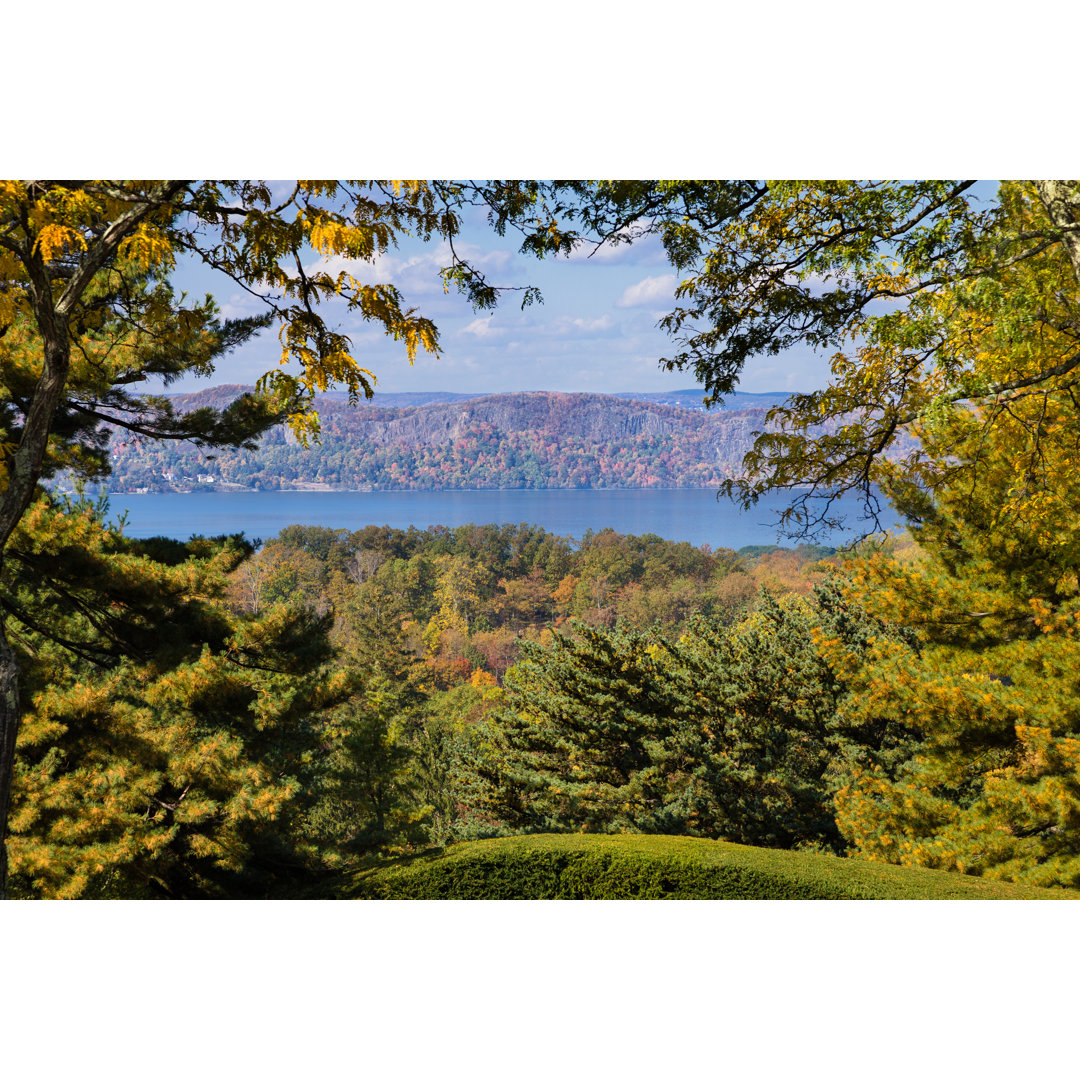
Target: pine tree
(165, 742)
(86, 312)
(727, 732)
(993, 686)
(592, 738)
(783, 741)
(363, 801)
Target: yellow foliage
(56, 239)
(149, 248)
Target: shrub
(625, 867)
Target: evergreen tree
(363, 801)
(165, 742)
(993, 687)
(785, 747)
(727, 732)
(86, 312)
(595, 738)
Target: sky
(596, 330)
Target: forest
(498, 441)
(204, 719)
(371, 682)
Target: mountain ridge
(684, 399)
(528, 439)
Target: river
(694, 515)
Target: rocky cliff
(589, 418)
(499, 440)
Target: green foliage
(658, 868)
(786, 745)
(449, 749)
(597, 737)
(175, 747)
(419, 768)
(726, 732)
(165, 741)
(992, 687)
(87, 311)
(362, 798)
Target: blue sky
(595, 331)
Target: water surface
(694, 515)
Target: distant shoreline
(315, 489)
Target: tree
(362, 800)
(522, 600)
(164, 743)
(854, 265)
(595, 737)
(992, 687)
(971, 351)
(734, 732)
(457, 594)
(449, 745)
(86, 313)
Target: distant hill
(683, 399)
(522, 440)
(680, 399)
(694, 399)
(402, 401)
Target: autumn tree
(953, 324)
(522, 600)
(992, 688)
(850, 268)
(164, 742)
(457, 595)
(87, 313)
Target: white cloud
(240, 305)
(647, 291)
(482, 328)
(592, 325)
(579, 327)
(415, 274)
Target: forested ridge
(524, 440)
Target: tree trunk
(9, 729)
(21, 485)
(52, 315)
(1061, 198)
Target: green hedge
(631, 867)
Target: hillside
(521, 440)
(633, 867)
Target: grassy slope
(575, 867)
